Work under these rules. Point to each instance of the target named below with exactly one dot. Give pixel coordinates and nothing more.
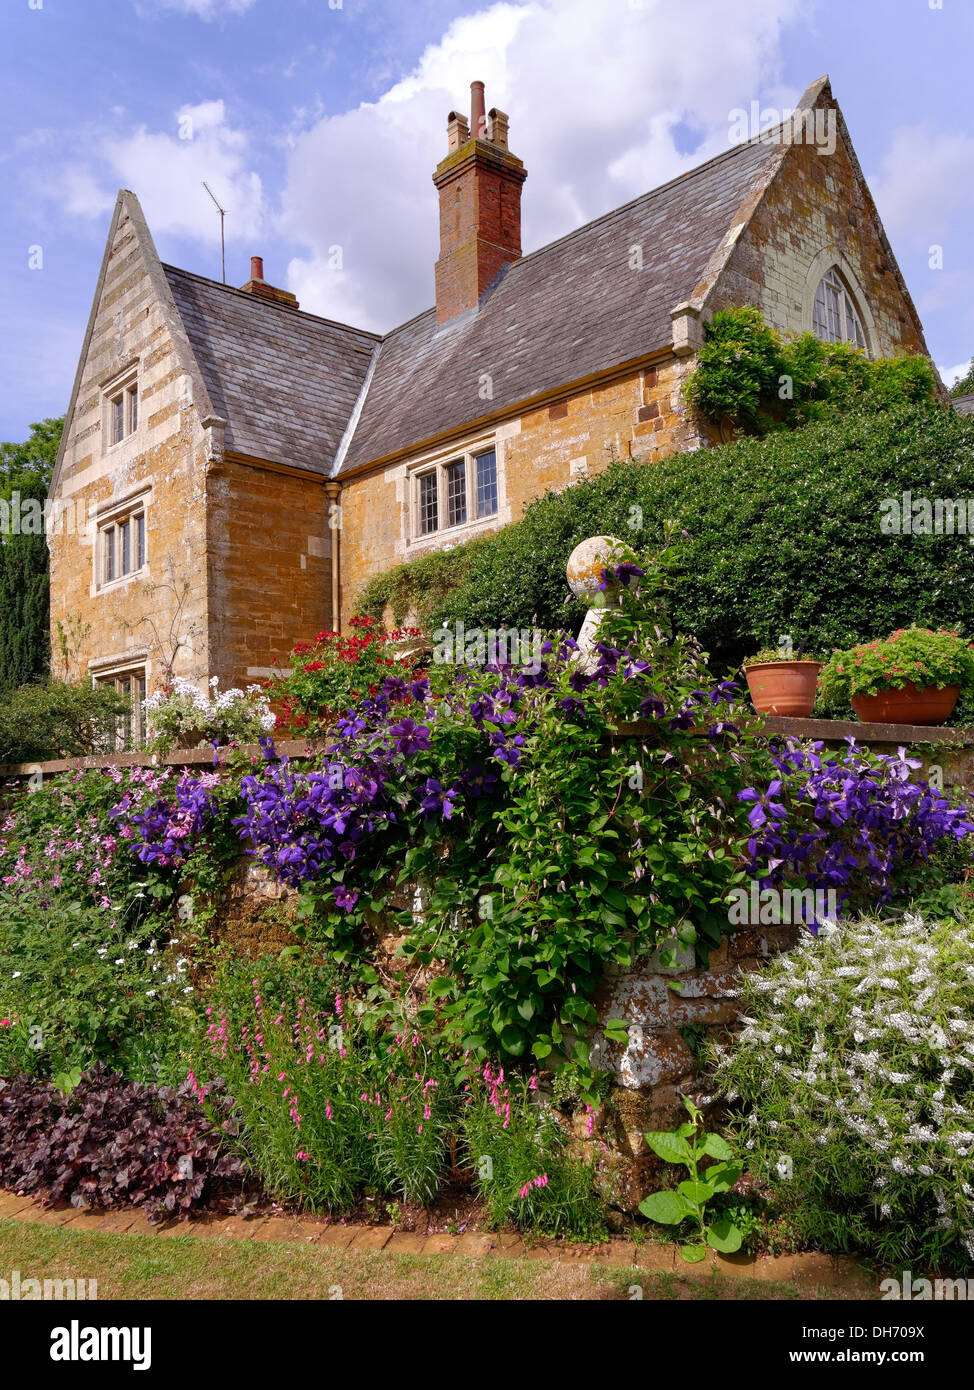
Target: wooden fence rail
(957, 746)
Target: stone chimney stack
(479, 183)
(258, 286)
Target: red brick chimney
(259, 286)
(479, 183)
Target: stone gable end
(159, 467)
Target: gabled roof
(328, 398)
(286, 382)
(127, 205)
(572, 309)
(964, 405)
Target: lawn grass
(188, 1267)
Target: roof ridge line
(760, 139)
(257, 299)
(355, 414)
(651, 192)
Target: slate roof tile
(288, 382)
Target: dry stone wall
(668, 1012)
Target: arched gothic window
(835, 318)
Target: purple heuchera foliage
(846, 823)
(115, 1143)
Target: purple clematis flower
(437, 801)
(764, 804)
(410, 737)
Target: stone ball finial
(586, 564)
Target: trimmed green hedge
(782, 535)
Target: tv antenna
(223, 253)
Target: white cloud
(83, 195)
(166, 171)
(924, 191)
(950, 375)
(204, 9)
(593, 91)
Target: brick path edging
(805, 1269)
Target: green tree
(748, 373)
(25, 475)
(964, 387)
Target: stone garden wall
(669, 1013)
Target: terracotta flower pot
(785, 688)
(928, 705)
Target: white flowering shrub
(184, 713)
(852, 1083)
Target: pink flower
(540, 1181)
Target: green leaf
(668, 1208)
(717, 1147)
(697, 1192)
(723, 1176)
(443, 984)
(693, 1253)
(669, 1146)
(512, 1039)
(617, 1030)
(724, 1236)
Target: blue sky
(318, 125)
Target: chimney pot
(478, 118)
(457, 131)
(259, 287)
(499, 123)
(479, 185)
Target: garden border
(810, 1269)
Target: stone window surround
(417, 541)
(134, 503)
(120, 384)
(131, 666)
(828, 258)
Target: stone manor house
(243, 468)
